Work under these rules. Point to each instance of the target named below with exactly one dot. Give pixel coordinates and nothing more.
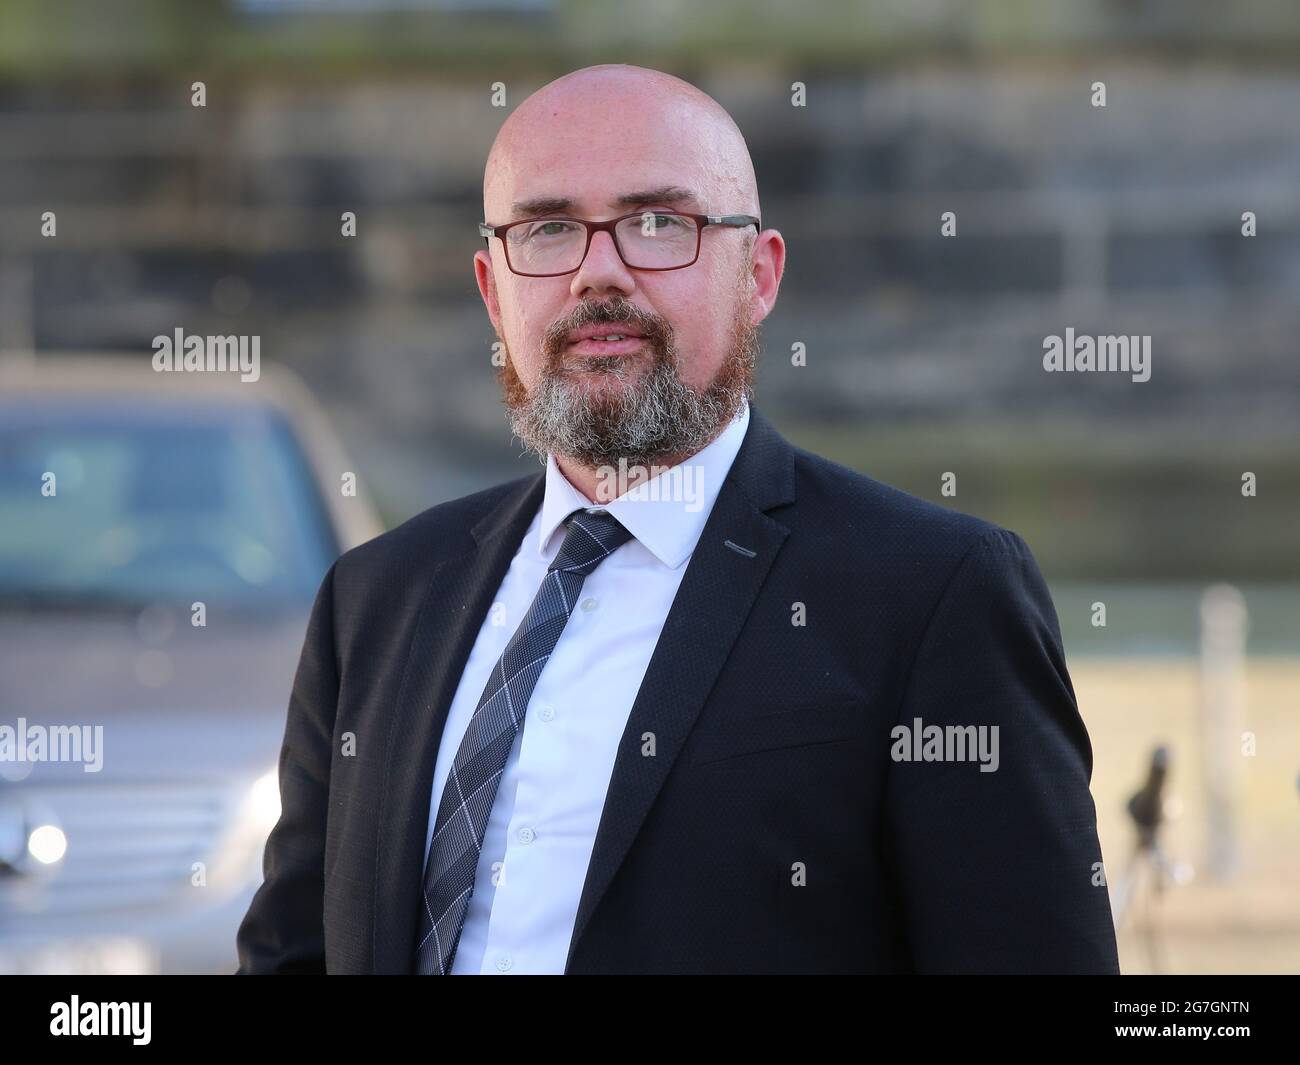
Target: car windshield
(119, 503)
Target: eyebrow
(673, 195)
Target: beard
(599, 409)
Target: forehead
(600, 159)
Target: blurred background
(923, 357)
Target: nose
(603, 270)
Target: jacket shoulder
(888, 523)
(432, 535)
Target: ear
(485, 275)
(768, 265)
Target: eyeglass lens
(648, 241)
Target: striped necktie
(471, 787)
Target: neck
(603, 484)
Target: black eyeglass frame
(701, 221)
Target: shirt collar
(667, 513)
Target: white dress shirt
(542, 828)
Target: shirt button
(526, 835)
(504, 962)
(546, 712)
(590, 604)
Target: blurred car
(174, 499)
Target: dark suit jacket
(770, 831)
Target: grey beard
(657, 419)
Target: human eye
(548, 228)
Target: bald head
(651, 128)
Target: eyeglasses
(645, 240)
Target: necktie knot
(591, 536)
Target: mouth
(604, 340)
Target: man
(693, 699)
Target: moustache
(653, 329)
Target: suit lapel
(716, 595)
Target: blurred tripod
(1149, 866)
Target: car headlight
(263, 803)
(47, 844)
